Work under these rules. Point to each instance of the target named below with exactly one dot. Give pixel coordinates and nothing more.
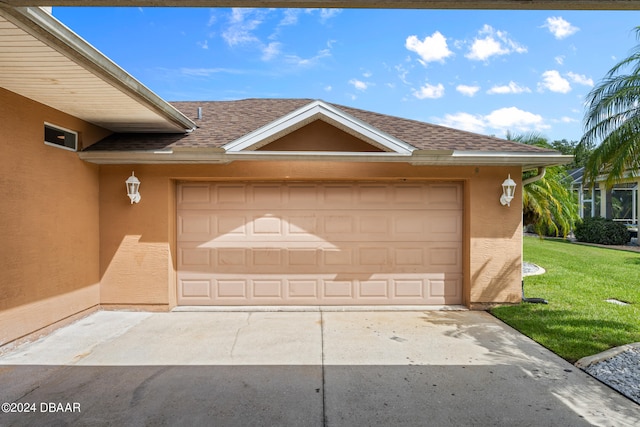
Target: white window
(60, 137)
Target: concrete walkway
(432, 368)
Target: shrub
(602, 231)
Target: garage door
(319, 243)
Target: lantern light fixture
(508, 191)
(133, 187)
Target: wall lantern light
(133, 186)
(508, 190)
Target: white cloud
(212, 20)
(307, 62)
(207, 72)
(463, 121)
(491, 42)
(290, 17)
(512, 87)
(467, 90)
(512, 118)
(501, 120)
(358, 84)
(553, 81)
(402, 73)
(565, 119)
(328, 88)
(580, 79)
(559, 27)
(271, 51)
(432, 48)
(325, 14)
(429, 91)
(329, 13)
(241, 24)
(559, 59)
(204, 44)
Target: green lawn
(578, 322)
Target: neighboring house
(249, 202)
(593, 200)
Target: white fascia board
(216, 157)
(308, 113)
(629, 175)
(484, 158)
(151, 157)
(426, 158)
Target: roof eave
(527, 160)
(41, 24)
(422, 158)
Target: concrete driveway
(428, 368)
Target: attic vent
(60, 137)
(199, 113)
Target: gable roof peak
(318, 110)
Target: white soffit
(43, 60)
(318, 110)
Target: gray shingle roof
(225, 121)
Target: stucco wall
(138, 241)
(49, 228)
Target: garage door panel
(313, 243)
(271, 257)
(231, 289)
(303, 289)
(446, 290)
(433, 257)
(195, 195)
(445, 196)
(338, 290)
(338, 257)
(331, 228)
(231, 225)
(230, 194)
(194, 227)
(345, 289)
(268, 289)
(374, 289)
(301, 225)
(196, 289)
(195, 259)
(266, 225)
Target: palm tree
(549, 204)
(612, 120)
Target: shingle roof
(225, 121)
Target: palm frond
(612, 121)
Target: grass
(578, 321)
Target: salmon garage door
(302, 243)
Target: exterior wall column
(604, 196)
(637, 201)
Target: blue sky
(484, 71)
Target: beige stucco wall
(49, 229)
(72, 241)
(138, 241)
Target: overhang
(418, 158)
(379, 4)
(43, 60)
